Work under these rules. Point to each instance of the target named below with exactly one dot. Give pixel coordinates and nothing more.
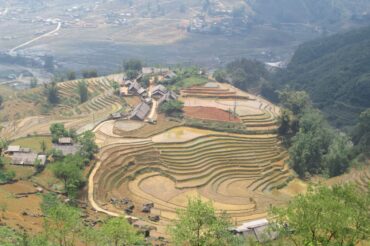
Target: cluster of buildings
(158, 93)
(26, 157)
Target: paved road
(35, 39)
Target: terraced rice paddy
(239, 173)
(100, 95)
(236, 172)
(102, 102)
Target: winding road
(38, 38)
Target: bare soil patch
(209, 113)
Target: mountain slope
(336, 72)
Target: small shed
(116, 116)
(65, 141)
(257, 230)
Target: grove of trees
(199, 225)
(338, 215)
(314, 146)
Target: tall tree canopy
(325, 216)
(198, 225)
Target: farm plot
(237, 172)
(102, 102)
(255, 113)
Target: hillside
(335, 71)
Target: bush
(172, 108)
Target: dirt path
(153, 112)
(35, 39)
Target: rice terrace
(223, 146)
(239, 172)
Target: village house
(134, 88)
(154, 70)
(12, 149)
(169, 75)
(140, 112)
(159, 91)
(67, 146)
(170, 95)
(28, 159)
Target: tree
(220, 75)
(361, 135)
(133, 65)
(52, 92)
(339, 215)
(310, 144)
(132, 74)
(339, 155)
(1, 100)
(61, 222)
(43, 146)
(145, 81)
(69, 171)
(198, 225)
(117, 231)
(33, 83)
(172, 108)
(57, 131)
(88, 145)
(115, 87)
(71, 75)
(295, 101)
(89, 73)
(246, 74)
(83, 91)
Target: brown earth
(209, 113)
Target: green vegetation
(58, 130)
(89, 73)
(334, 71)
(52, 93)
(361, 134)
(314, 146)
(88, 146)
(172, 108)
(132, 68)
(63, 226)
(71, 75)
(69, 170)
(117, 231)
(244, 74)
(36, 143)
(83, 91)
(185, 77)
(199, 225)
(325, 216)
(5, 175)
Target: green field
(34, 143)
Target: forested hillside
(335, 72)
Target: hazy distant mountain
(327, 13)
